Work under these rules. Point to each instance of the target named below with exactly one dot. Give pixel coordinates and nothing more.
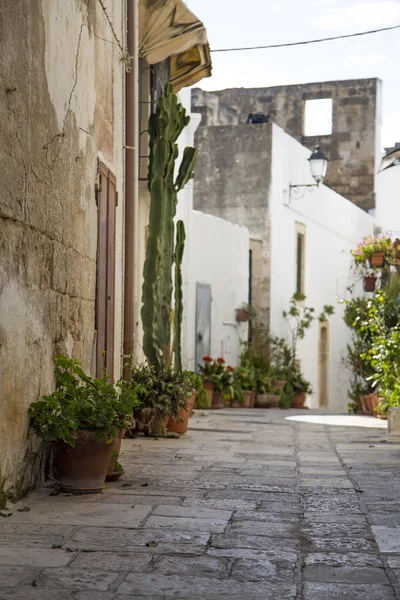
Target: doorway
(203, 322)
(324, 366)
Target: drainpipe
(131, 179)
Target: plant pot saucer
(114, 476)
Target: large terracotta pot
(369, 284)
(278, 383)
(374, 401)
(180, 424)
(248, 397)
(82, 469)
(298, 400)
(217, 400)
(267, 401)
(377, 259)
(253, 399)
(364, 404)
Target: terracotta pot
(242, 316)
(235, 404)
(298, 400)
(253, 399)
(369, 284)
(374, 401)
(278, 383)
(209, 388)
(180, 424)
(267, 401)
(144, 422)
(364, 404)
(377, 259)
(248, 397)
(217, 400)
(82, 469)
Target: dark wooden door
(105, 298)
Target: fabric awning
(168, 29)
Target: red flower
(221, 361)
(230, 368)
(207, 359)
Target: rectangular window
(318, 117)
(300, 257)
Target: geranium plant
(371, 245)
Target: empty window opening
(318, 117)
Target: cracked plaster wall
(61, 108)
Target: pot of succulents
(267, 395)
(246, 379)
(157, 395)
(301, 387)
(183, 394)
(82, 419)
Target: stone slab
(69, 577)
(342, 591)
(135, 562)
(216, 525)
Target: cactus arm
(178, 314)
(186, 168)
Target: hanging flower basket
(242, 316)
(369, 284)
(377, 259)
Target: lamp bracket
(299, 191)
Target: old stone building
(352, 142)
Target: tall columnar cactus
(179, 248)
(165, 126)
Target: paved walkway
(250, 504)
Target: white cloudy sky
(232, 23)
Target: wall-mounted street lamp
(318, 165)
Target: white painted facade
(332, 227)
(216, 253)
(387, 211)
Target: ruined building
(351, 142)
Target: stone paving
(250, 504)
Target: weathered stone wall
(58, 115)
(232, 181)
(352, 147)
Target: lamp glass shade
(318, 165)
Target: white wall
(333, 227)
(217, 253)
(387, 211)
(220, 258)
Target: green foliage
(246, 376)
(222, 377)
(374, 354)
(161, 394)
(165, 126)
(82, 403)
(194, 380)
(202, 399)
(178, 315)
(116, 466)
(370, 245)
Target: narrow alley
(249, 504)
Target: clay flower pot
(369, 284)
(242, 316)
(180, 424)
(278, 383)
(209, 388)
(373, 401)
(377, 259)
(267, 401)
(82, 469)
(298, 400)
(248, 398)
(217, 400)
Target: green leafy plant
(161, 394)
(246, 376)
(371, 245)
(81, 402)
(116, 466)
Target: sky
(232, 23)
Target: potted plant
(196, 383)
(267, 395)
(115, 469)
(216, 380)
(245, 376)
(301, 387)
(373, 249)
(162, 395)
(209, 374)
(82, 419)
(183, 397)
(245, 313)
